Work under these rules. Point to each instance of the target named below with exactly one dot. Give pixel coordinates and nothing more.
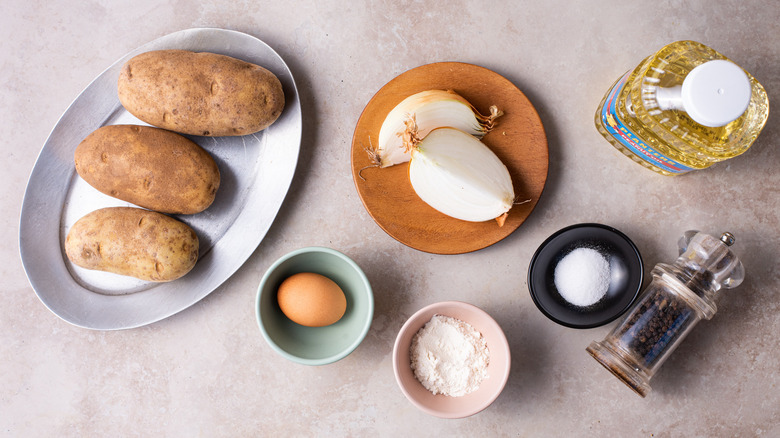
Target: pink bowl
(441, 405)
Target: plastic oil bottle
(683, 108)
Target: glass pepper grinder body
(683, 108)
(679, 296)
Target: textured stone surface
(207, 371)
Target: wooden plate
(518, 140)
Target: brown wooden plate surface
(518, 139)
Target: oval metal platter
(256, 173)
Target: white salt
(582, 277)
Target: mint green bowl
(315, 345)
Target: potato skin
(200, 93)
(149, 167)
(134, 242)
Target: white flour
(449, 356)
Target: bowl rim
(369, 294)
(503, 342)
(563, 230)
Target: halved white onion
(432, 109)
(459, 176)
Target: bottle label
(622, 133)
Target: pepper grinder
(678, 297)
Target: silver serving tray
(256, 172)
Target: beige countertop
(207, 371)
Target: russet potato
(200, 93)
(149, 167)
(134, 242)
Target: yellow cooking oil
(671, 135)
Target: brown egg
(311, 299)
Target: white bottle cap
(716, 93)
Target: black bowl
(626, 274)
